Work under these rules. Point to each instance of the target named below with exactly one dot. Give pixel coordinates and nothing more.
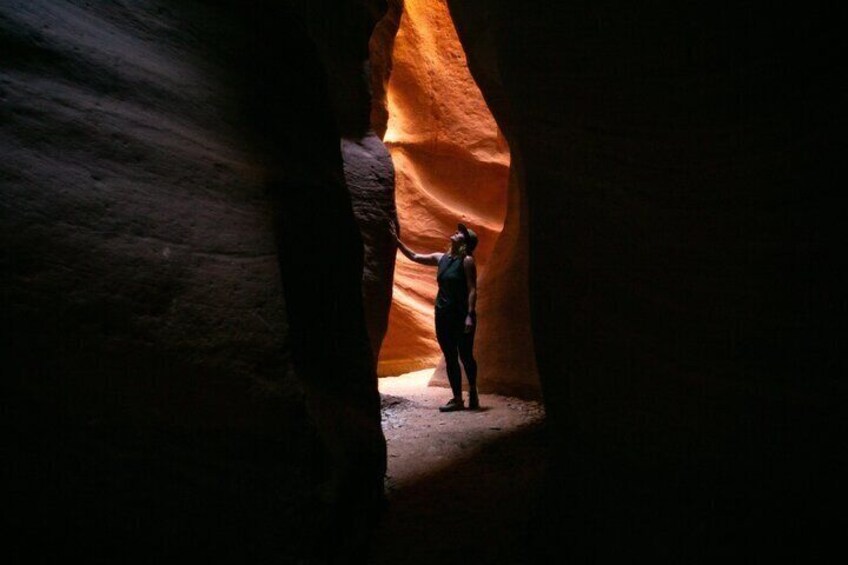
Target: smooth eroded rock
(184, 372)
(452, 165)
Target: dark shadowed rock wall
(683, 236)
(342, 39)
(187, 367)
(186, 363)
(370, 179)
(381, 49)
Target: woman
(456, 317)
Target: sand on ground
(461, 486)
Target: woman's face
(458, 238)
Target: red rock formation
(451, 164)
(678, 166)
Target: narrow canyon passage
(451, 164)
(461, 487)
(196, 202)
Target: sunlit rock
(452, 165)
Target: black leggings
(450, 331)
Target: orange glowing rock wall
(452, 164)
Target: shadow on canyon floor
(462, 487)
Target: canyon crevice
(197, 264)
(453, 165)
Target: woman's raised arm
(422, 258)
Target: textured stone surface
(380, 48)
(369, 175)
(504, 342)
(344, 45)
(452, 165)
(684, 237)
(680, 187)
(186, 364)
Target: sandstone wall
(187, 368)
(679, 178)
(186, 363)
(452, 165)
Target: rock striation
(187, 363)
(188, 358)
(452, 165)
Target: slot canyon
(200, 285)
(452, 164)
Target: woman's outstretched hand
(431, 259)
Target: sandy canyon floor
(462, 486)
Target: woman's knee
(452, 361)
(470, 365)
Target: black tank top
(453, 286)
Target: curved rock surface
(452, 165)
(169, 171)
(369, 175)
(185, 372)
(680, 186)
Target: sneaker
(473, 400)
(452, 406)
